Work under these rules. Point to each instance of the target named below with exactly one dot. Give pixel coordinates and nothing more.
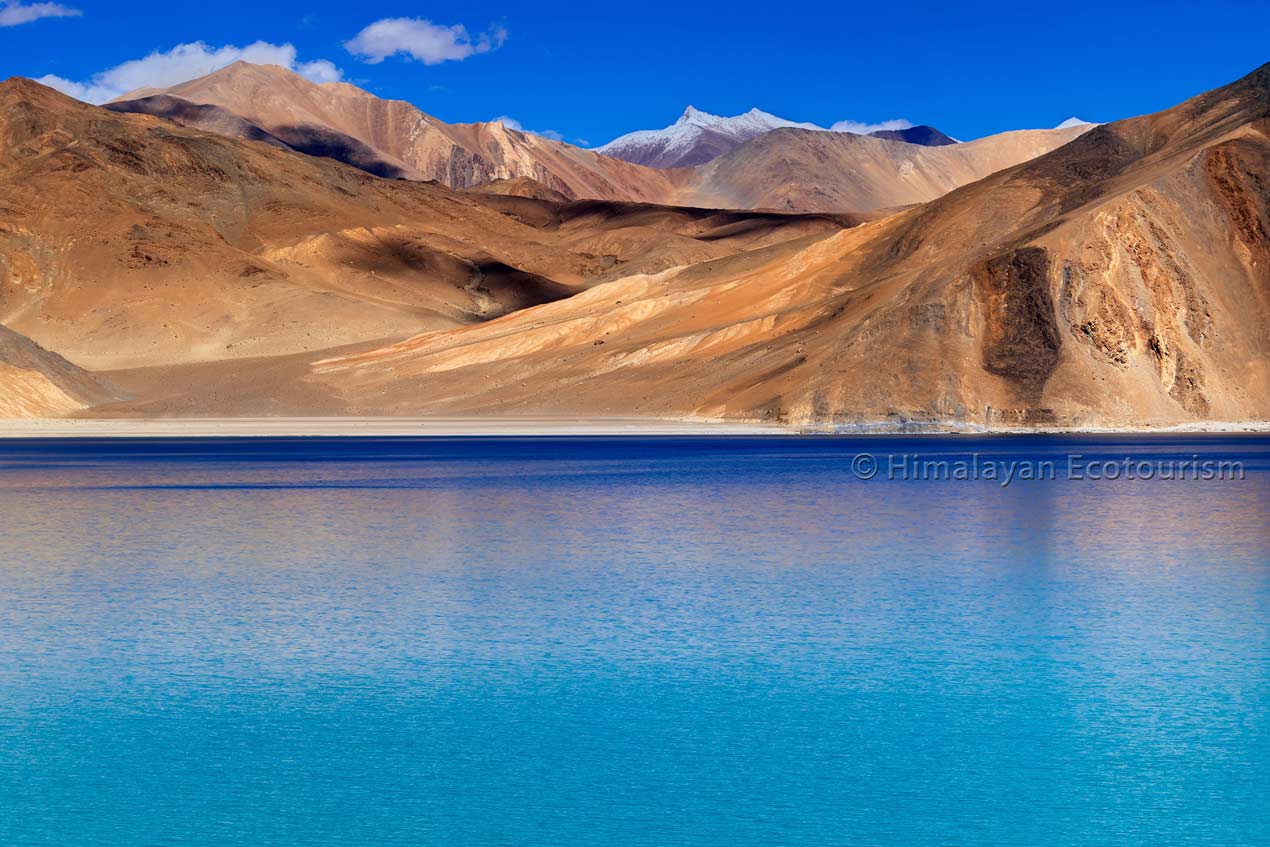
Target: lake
(626, 641)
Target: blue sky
(970, 68)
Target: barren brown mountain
(805, 169)
(1121, 280)
(789, 169)
(131, 242)
(389, 138)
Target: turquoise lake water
(629, 642)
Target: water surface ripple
(555, 642)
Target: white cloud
(185, 62)
(512, 123)
(14, 12)
(422, 40)
(864, 129)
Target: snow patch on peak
(754, 119)
(1073, 121)
(687, 138)
(693, 114)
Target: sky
(588, 74)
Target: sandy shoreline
(374, 427)
(19, 428)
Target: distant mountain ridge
(789, 169)
(922, 135)
(754, 161)
(696, 138)
(389, 138)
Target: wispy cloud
(512, 123)
(185, 62)
(15, 12)
(422, 40)
(864, 129)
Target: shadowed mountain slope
(38, 384)
(926, 136)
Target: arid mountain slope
(789, 169)
(127, 241)
(1123, 279)
(521, 186)
(38, 384)
(801, 169)
(392, 138)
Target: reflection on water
(625, 642)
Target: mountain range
(212, 250)
(699, 137)
(394, 139)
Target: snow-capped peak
(696, 137)
(1071, 122)
(693, 115)
(754, 119)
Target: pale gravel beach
(507, 427)
(375, 427)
